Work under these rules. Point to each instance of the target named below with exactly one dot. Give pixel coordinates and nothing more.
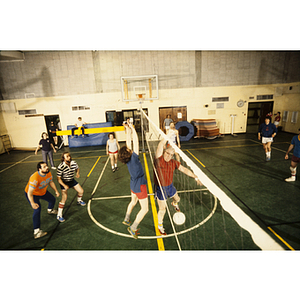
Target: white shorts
(267, 140)
(276, 123)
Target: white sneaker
(292, 178)
(39, 234)
(161, 230)
(54, 168)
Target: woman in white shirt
(172, 132)
(112, 147)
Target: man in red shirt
(163, 178)
(35, 190)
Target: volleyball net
(212, 220)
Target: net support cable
(259, 236)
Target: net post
(140, 97)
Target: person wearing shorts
(277, 119)
(66, 171)
(266, 133)
(295, 143)
(112, 147)
(165, 166)
(137, 180)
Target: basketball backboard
(137, 85)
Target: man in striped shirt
(66, 171)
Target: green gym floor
(236, 164)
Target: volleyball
(179, 218)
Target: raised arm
(127, 135)
(135, 140)
(160, 148)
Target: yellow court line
(160, 242)
(196, 159)
(93, 166)
(281, 239)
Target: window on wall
(285, 116)
(220, 99)
(294, 117)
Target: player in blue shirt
(295, 158)
(266, 133)
(137, 179)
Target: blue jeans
(36, 217)
(50, 154)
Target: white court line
(145, 237)
(152, 236)
(15, 164)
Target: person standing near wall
(46, 146)
(277, 119)
(295, 158)
(52, 130)
(266, 133)
(112, 148)
(174, 137)
(167, 122)
(35, 190)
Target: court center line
(160, 242)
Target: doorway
(257, 111)
(58, 143)
(177, 113)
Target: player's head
(79, 118)
(124, 154)
(267, 120)
(172, 125)
(168, 153)
(66, 157)
(111, 135)
(44, 135)
(42, 167)
(278, 113)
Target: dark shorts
(165, 192)
(295, 159)
(143, 194)
(70, 184)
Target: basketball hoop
(140, 96)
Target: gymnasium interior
(217, 100)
